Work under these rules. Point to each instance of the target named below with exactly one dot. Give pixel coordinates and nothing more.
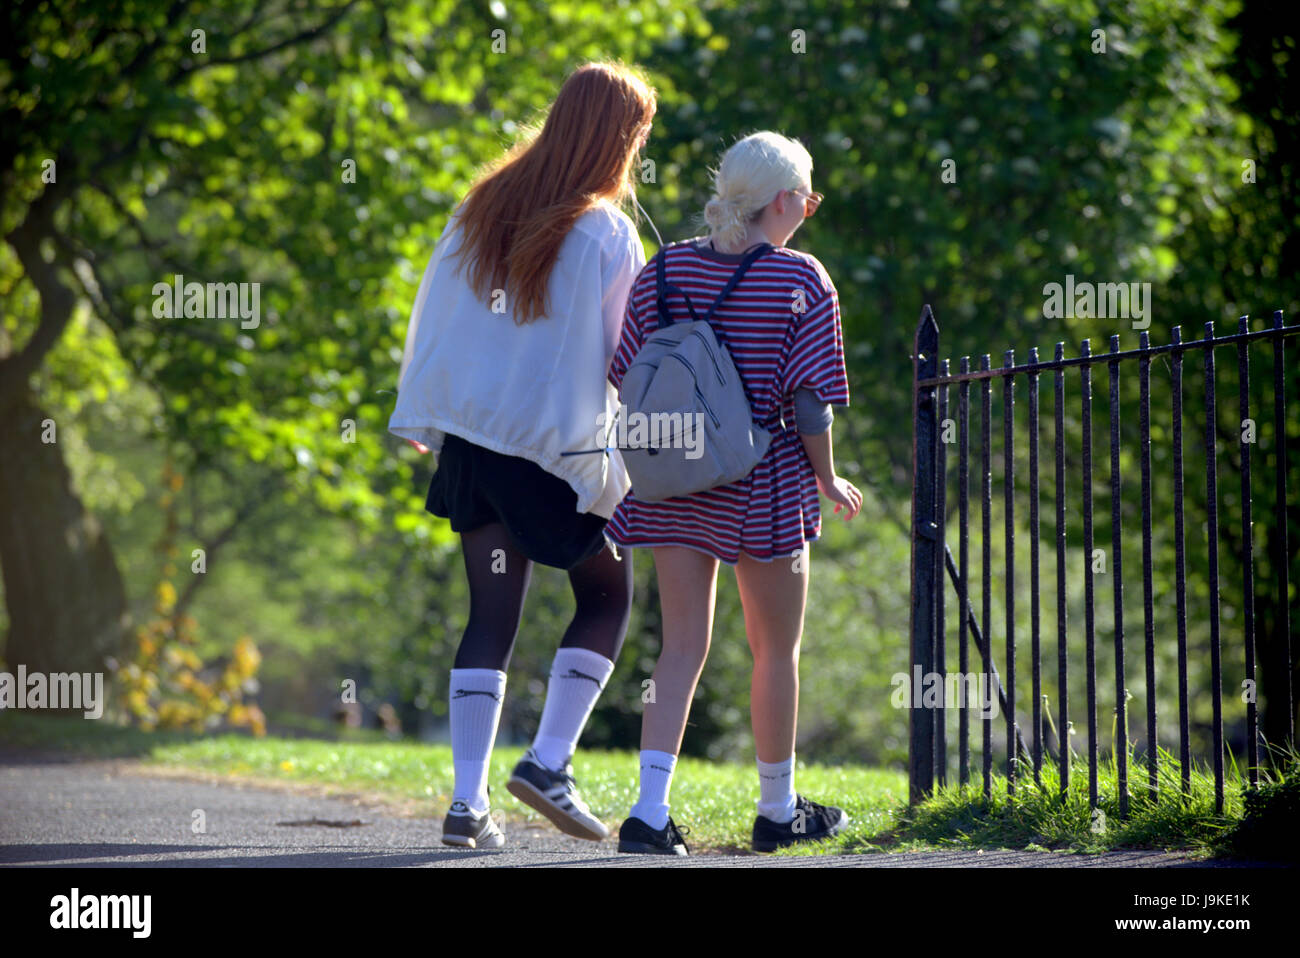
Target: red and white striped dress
(777, 349)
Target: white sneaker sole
(588, 827)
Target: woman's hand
(844, 494)
(419, 447)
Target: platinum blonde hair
(752, 172)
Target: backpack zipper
(717, 368)
(717, 423)
(699, 395)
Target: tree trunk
(63, 591)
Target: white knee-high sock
(578, 676)
(776, 790)
(476, 697)
(656, 779)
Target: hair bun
(726, 219)
(724, 214)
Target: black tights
(498, 583)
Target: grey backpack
(689, 422)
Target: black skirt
(474, 487)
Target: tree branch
(213, 545)
(141, 58)
(150, 245)
(302, 37)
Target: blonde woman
(782, 325)
(512, 333)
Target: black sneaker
(639, 838)
(464, 829)
(811, 823)
(555, 795)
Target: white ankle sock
(578, 677)
(476, 696)
(776, 790)
(656, 779)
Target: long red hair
(523, 205)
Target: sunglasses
(810, 202)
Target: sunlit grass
(714, 800)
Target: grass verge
(716, 800)
(1039, 817)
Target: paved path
(97, 813)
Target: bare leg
(774, 595)
(687, 580)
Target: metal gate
(934, 429)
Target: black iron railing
(931, 556)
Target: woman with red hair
(514, 326)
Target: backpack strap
(663, 288)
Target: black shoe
(555, 795)
(640, 839)
(464, 829)
(811, 823)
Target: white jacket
(534, 390)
